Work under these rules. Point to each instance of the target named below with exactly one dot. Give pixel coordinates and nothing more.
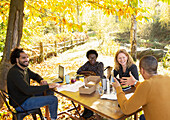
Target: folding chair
(109, 72)
(19, 115)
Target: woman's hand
(87, 73)
(128, 80)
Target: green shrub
(2, 44)
(166, 60)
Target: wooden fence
(42, 52)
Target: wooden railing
(43, 51)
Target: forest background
(105, 30)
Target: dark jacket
(133, 70)
(18, 84)
(121, 74)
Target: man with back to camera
(152, 94)
(18, 84)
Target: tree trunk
(77, 12)
(133, 37)
(13, 38)
(60, 22)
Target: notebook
(114, 96)
(60, 78)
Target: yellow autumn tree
(63, 13)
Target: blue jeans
(142, 117)
(40, 101)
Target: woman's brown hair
(129, 60)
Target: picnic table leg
(46, 109)
(98, 117)
(136, 116)
(47, 113)
(76, 109)
(79, 107)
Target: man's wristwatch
(135, 82)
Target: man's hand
(92, 73)
(116, 83)
(54, 85)
(43, 82)
(128, 80)
(87, 73)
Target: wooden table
(106, 108)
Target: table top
(106, 108)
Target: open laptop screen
(61, 72)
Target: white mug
(67, 78)
(104, 84)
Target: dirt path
(71, 59)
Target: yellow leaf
(54, 18)
(131, 11)
(108, 13)
(42, 10)
(64, 21)
(128, 10)
(139, 18)
(69, 27)
(112, 12)
(57, 20)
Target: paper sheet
(71, 87)
(114, 96)
(109, 96)
(129, 95)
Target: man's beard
(22, 64)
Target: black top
(133, 70)
(97, 68)
(18, 84)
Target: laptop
(60, 78)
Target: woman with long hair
(124, 64)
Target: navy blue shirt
(121, 74)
